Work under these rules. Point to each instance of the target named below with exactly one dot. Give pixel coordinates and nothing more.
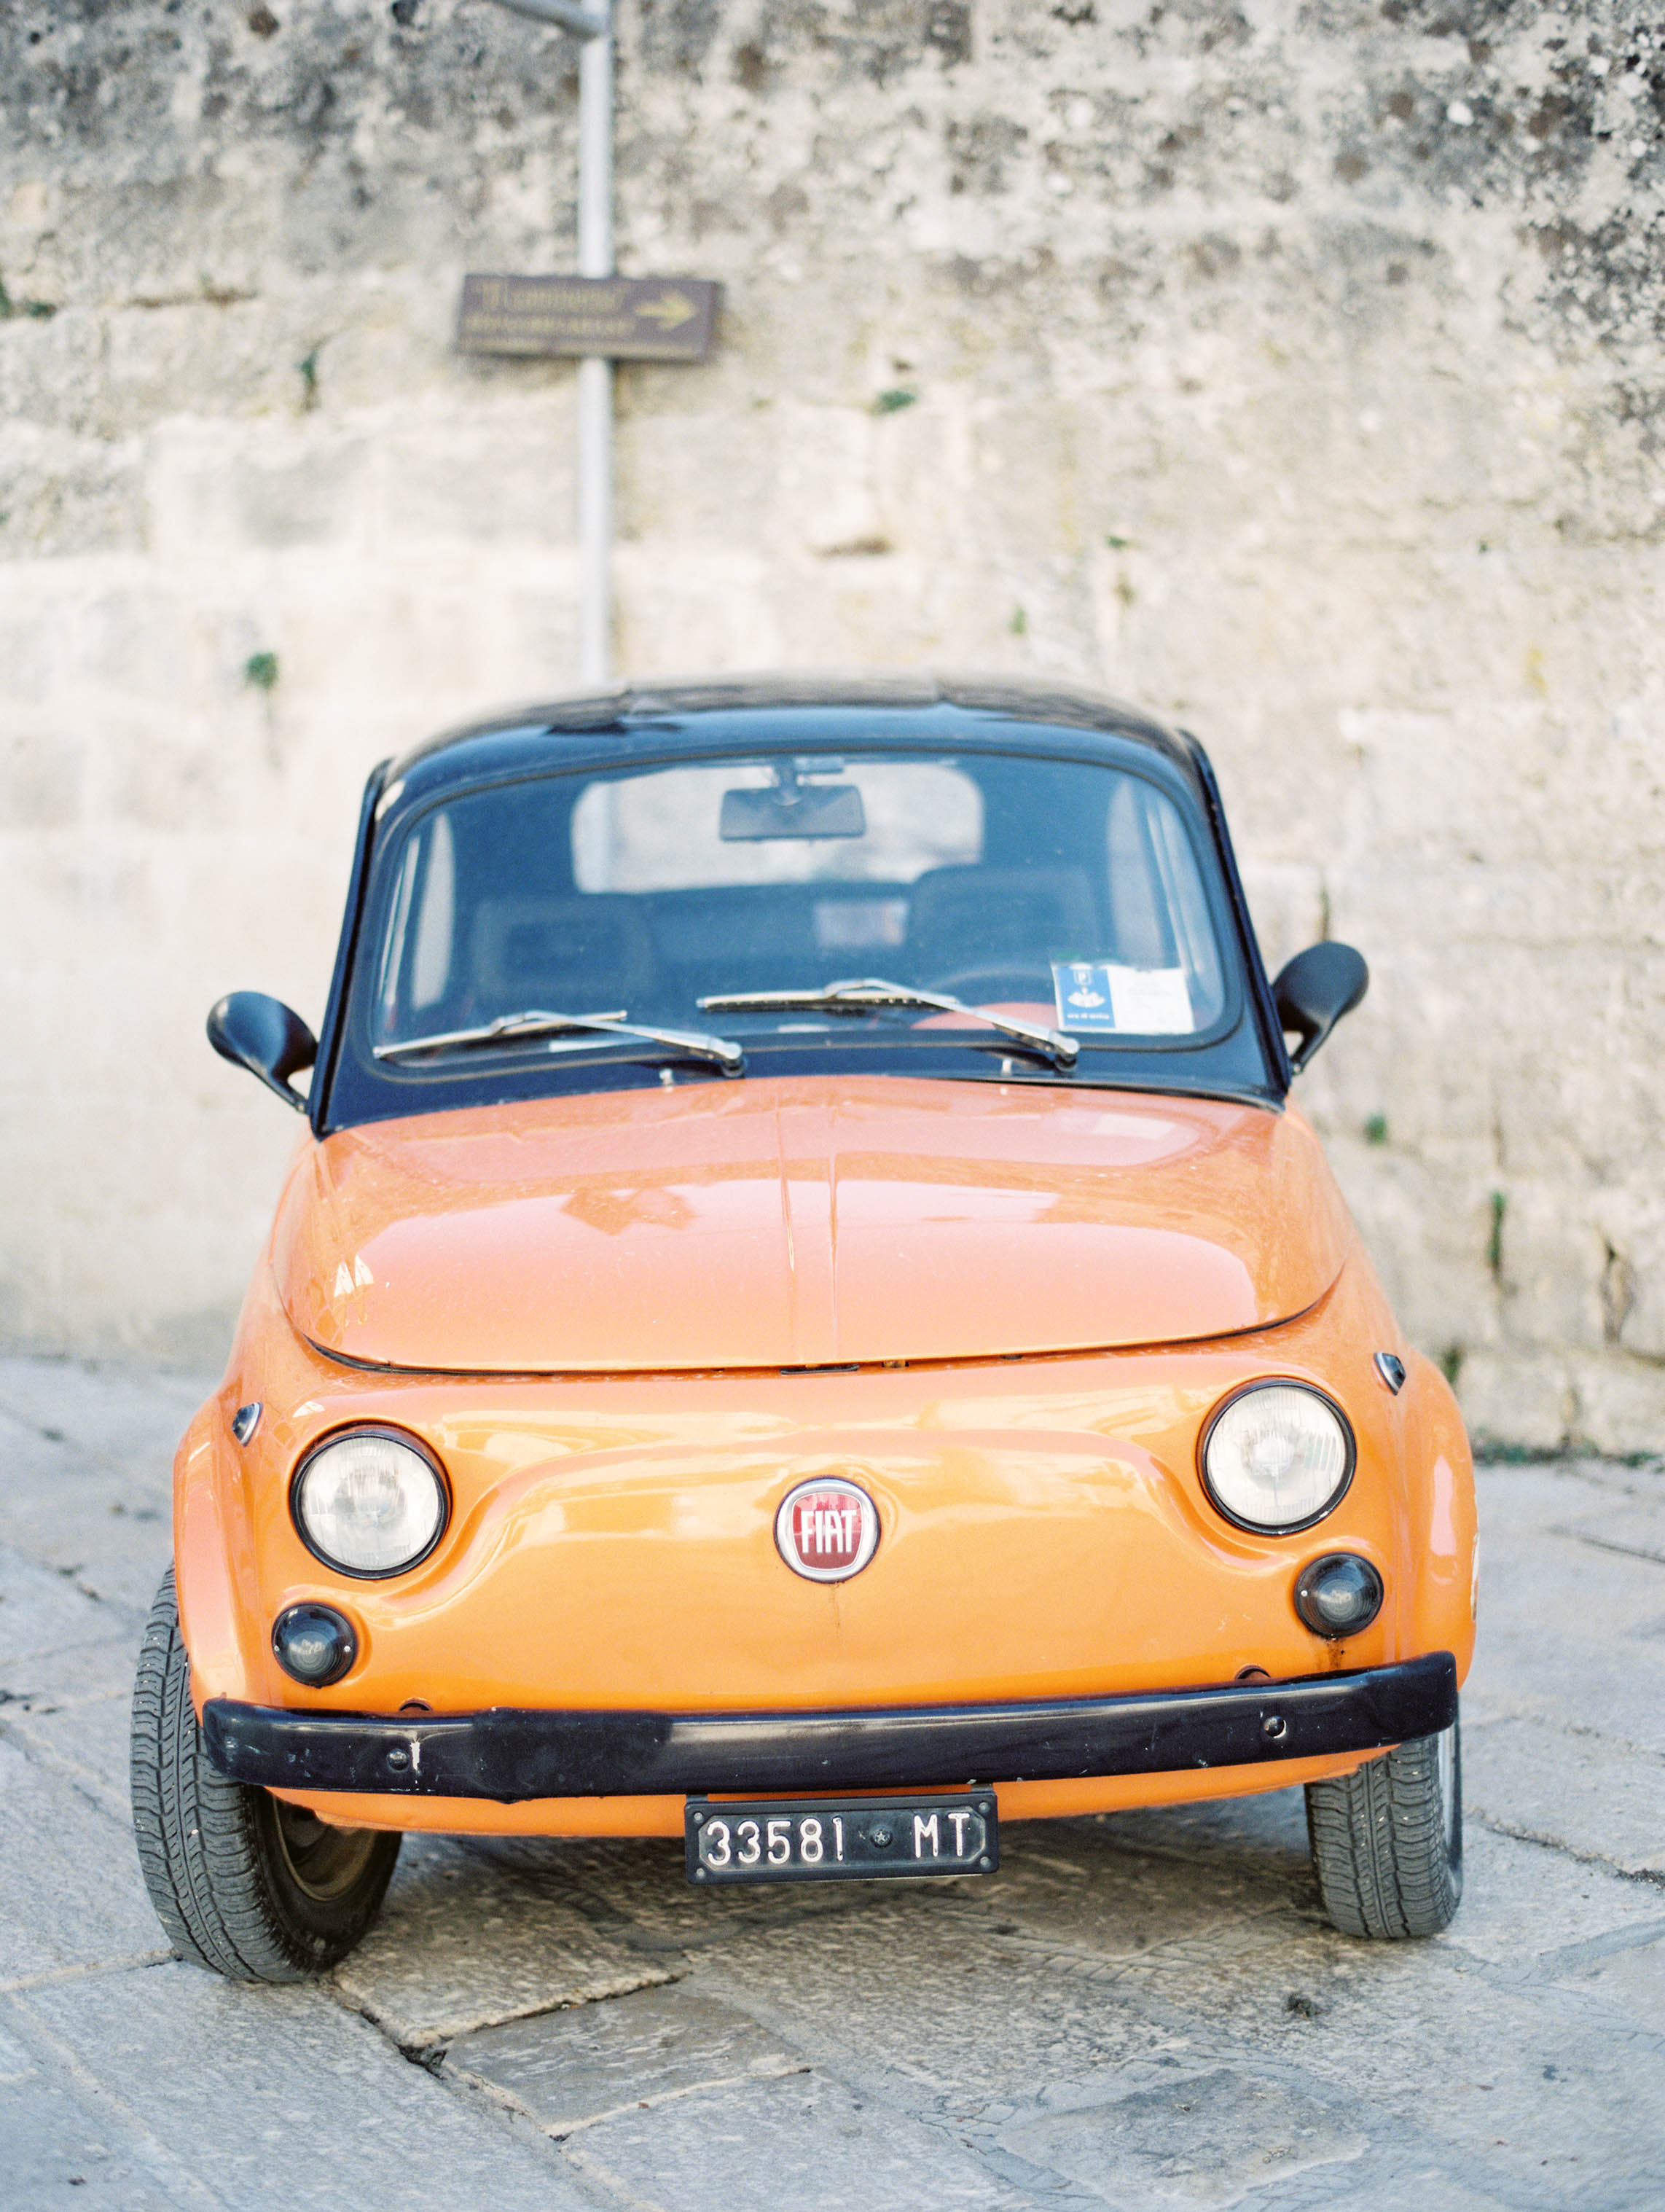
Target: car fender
(1440, 1495)
(218, 1596)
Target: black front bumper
(509, 1753)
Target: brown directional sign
(627, 317)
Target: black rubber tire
(255, 1889)
(1387, 1841)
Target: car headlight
(1277, 1456)
(370, 1502)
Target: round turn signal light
(1338, 1595)
(314, 1644)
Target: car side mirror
(263, 1036)
(1314, 990)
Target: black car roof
(643, 716)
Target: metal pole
(595, 374)
(593, 24)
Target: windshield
(1066, 893)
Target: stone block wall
(1294, 366)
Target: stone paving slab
(1522, 1903)
(799, 2138)
(63, 2145)
(34, 1684)
(1190, 2137)
(522, 1951)
(1578, 1791)
(90, 1464)
(129, 1416)
(1581, 1641)
(1630, 1981)
(1146, 2012)
(1636, 1530)
(603, 2061)
(1407, 2031)
(44, 1613)
(84, 1738)
(247, 2096)
(68, 1874)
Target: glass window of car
(1069, 890)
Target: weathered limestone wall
(1294, 368)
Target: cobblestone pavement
(1145, 2011)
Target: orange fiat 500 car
(803, 1318)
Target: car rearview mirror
(796, 810)
(265, 1037)
(1313, 992)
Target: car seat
(969, 919)
(569, 955)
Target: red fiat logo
(827, 1529)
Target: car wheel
(258, 1890)
(1387, 1841)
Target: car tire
(1387, 1841)
(257, 1890)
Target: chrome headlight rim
(1350, 1447)
(352, 1431)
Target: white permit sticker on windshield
(1099, 995)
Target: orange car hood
(803, 1223)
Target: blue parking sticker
(1101, 994)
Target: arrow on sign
(669, 310)
(621, 317)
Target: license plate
(841, 1839)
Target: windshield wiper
(864, 994)
(536, 1022)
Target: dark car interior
(487, 915)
